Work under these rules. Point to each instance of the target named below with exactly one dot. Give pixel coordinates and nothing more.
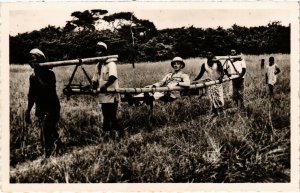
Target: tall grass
(174, 142)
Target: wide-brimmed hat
(178, 59)
(41, 56)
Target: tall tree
(85, 20)
(132, 30)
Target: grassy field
(174, 142)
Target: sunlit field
(173, 142)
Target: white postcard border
(150, 187)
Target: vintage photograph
(124, 93)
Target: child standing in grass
(271, 75)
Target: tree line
(136, 40)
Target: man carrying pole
(42, 93)
(106, 77)
(214, 71)
(239, 66)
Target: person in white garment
(271, 75)
(214, 71)
(106, 77)
(239, 65)
(175, 78)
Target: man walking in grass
(42, 93)
(106, 77)
(214, 71)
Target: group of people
(211, 70)
(42, 90)
(42, 93)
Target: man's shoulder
(32, 75)
(47, 73)
(239, 60)
(184, 73)
(111, 61)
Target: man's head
(210, 55)
(36, 56)
(233, 52)
(271, 60)
(101, 49)
(177, 63)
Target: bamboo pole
(164, 89)
(156, 89)
(228, 57)
(77, 61)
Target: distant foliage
(138, 40)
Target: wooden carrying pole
(162, 89)
(228, 57)
(77, 61)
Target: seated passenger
(172, 79)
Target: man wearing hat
(214, 71)
(175, 78)
(42, 93)
(106, 77)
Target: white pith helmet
(178, 59)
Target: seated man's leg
(158, 95)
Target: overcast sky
(28, 20)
